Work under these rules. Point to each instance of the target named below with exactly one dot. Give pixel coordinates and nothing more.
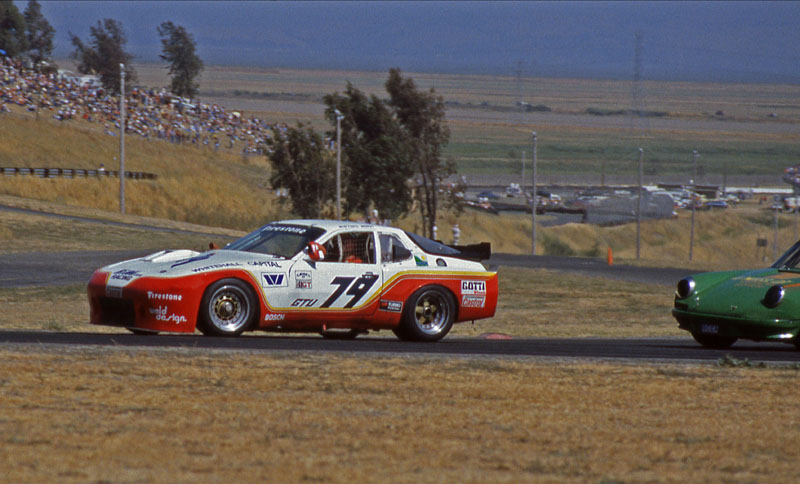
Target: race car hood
(178, 263)
(742, 294)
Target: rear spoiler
(476, 252)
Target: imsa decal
(273, 279)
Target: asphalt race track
(654, 349)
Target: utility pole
(533, 211)
(122, 138)
(339, 117)
(639, 205)
(695, 154)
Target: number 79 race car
(331, 277)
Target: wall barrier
(75, 173)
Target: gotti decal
(472, 288)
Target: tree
(12, 29)
(376, 162)
(302, 165)
(39, 34)
(178, 49)
(421, 114)
(104, 54)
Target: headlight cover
(685, 288)
(774, 296)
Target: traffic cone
(610, 256)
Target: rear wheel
(713, 340)
(428, 315)
(228, 308)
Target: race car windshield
(790, 259)
(279, 240)
(431, 246)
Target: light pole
(695, 154)
(339, 117)
(122, 138)
(533, 208)
(639, 205)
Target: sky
(693, 41)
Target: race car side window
(392, 249)
(351, 247)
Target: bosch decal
(471, 288)
(273, 279)
(274, 317)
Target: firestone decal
(472, 288)
(163, 296)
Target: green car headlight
(685, 287)
(774, 296)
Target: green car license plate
(709, 328)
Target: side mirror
(400, 253)
(315, 251)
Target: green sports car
(761, 305)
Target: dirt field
(128, 416)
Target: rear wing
(476, 252)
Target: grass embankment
(190, 416)
(194, 184)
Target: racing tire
(714, 341)
(228, 308)
(428, 315)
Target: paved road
(655, 349)
(63, 268)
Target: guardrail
(75, 173)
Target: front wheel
(714, 341)
(228, 308)
(428, 315)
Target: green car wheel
(714, 341)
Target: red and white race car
(332, 277)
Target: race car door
(346, 279)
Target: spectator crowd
(150, 113)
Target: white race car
(331, 277)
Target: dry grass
(190, 416)
(194, 184)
